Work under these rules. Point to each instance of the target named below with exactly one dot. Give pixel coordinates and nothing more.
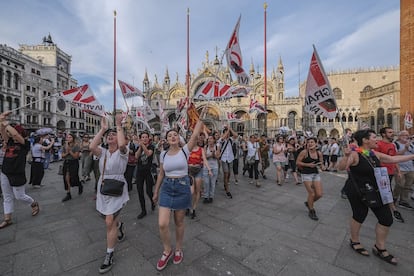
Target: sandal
(5, 223)
(35, 208)
(380, 254)
(359, 250)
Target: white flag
(83, 98)
(234, 56)
(319, 99)
(129, 91)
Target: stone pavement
(261, 231)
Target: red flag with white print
(129, 91)
(83, 98)
(234, 56)
(214, 90)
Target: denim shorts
(311, 177)
(175, 193)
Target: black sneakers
(228, 194)
(121, 231)
(107, 263)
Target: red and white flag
(140, 117)
(83, 98)
(181, 105)
(408, 120)
(234, 56)
(231, 117)
(129, 91)
(214, 90)
(147, 111)
(256, 106)
(319, 99)
(182, 122)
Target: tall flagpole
(265, 70)
(114, 110)
(188, 53)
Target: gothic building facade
(365, 97)
(283, 112)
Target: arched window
(9, 103)
(389, 120)
(343, 117)
(367, 88)
(350, 118)
(356, 117)
(17, 105)
(380, 118)
(292, 120)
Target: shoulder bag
(368, 192)
(111, 187)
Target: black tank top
(364, 171)
(308, 159)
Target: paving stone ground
(261, 231)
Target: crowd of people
(174, 174)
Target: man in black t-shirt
(144, 156)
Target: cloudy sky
(151, 35)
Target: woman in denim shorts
(309, 160)
(173, 192)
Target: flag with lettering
(83, 98)
(214, 90)
(256, 106)
(319, 99)
(234, 56)
(129, 91)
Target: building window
(389, 120)
(337, 93)
(16, 81)
(9, 103)
(1, 76)
(33, 103)
(8, 79)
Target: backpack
(165, 153)
(225, 145)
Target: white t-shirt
(334, 149)
(175, 165)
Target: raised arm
(96, 141)
(197, 129)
